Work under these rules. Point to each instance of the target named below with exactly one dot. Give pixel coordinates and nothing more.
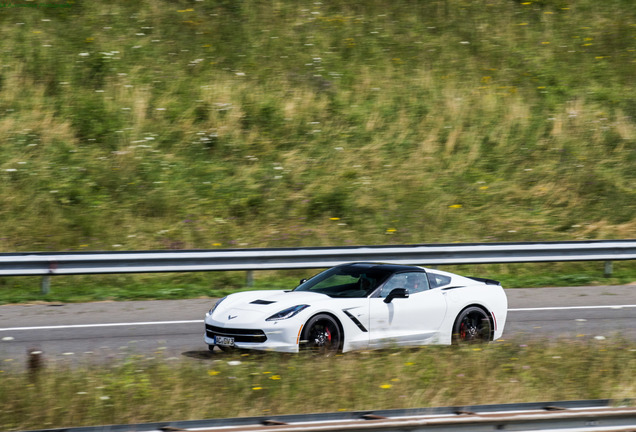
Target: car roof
(395, 268)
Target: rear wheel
(321, 335)
(472, 326)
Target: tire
(472, 326)
(322, 335)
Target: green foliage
(315, 124)
(131, 388)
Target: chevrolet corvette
(360, 306)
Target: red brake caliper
(328, 333)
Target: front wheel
(321, 335)
(472, 326)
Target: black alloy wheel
(321, 335)
(472, 326)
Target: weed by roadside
(146, 389)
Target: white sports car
(361, 306)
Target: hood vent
(262, 302)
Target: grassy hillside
(201, 124)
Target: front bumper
(273, 337)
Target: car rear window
(437, 280)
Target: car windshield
(346, 281)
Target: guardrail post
(249, 278)
(608, 269)
(45, 286)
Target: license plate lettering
(224, 340)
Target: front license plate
(224, 341)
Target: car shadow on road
(215, 354)
(219, 354)
(202, 354)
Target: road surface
(85, 332)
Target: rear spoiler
(486, 281)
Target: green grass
(150, 389)
(235, 124)
(169, 125)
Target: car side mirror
(396, 293)
(302, 281)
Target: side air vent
(355, 320)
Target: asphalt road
(87, 332)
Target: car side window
(437, 280)
(413, 282)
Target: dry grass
(142, 389)
(153, 126)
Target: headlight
(287, 313)
(218, 302)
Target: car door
(415, 320)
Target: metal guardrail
(582, 416)
(70, 263)
(74, 263)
